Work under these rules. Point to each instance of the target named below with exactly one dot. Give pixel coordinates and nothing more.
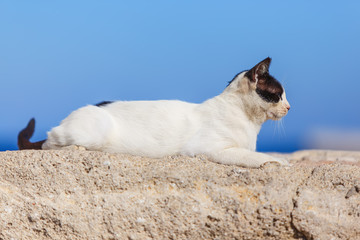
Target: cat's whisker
(279, 128)
(276, 128)
(283, 132)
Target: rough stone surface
(74, 194)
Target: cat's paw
(283, 161)
(269, 164)
(74, 148)
(277, 161)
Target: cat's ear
(259, 70)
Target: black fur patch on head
(103, 103)
(269, 89)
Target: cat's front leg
(243, 157)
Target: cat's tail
(25, 135)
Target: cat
(224, 128)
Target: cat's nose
(287, 105)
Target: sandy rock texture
(74, 194)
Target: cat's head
(261, 91)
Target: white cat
(224, 128)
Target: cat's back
(150, 109)
(152, 128)
(163, 117)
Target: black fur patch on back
(269, 89)
(103, 103)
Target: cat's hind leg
(244, 158)
(90, 127)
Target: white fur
(224, 127)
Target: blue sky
(56, 56)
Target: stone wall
(74, 194)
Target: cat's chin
(274, 116)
